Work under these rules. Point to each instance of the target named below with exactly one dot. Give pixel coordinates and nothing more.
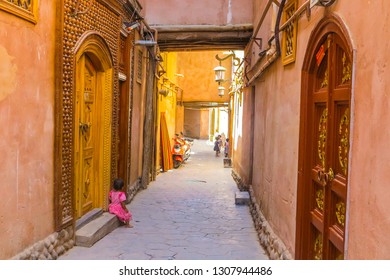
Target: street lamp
(220, 71)
(221, 91)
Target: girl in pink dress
(117, 203)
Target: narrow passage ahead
(188, 213)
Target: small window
(26, 9)
(289, 41)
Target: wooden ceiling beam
(203, 37)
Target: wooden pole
(148, 123)
(154, 128)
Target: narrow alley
(186, 214)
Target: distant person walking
(226, 148)
(217, 145)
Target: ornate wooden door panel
(325, 178)
(86, 138)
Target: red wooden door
(324, 184)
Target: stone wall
(49, 248)
(133, 190)
(240, 183)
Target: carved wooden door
(86, 161)
(326, 153)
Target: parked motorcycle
(181, 150)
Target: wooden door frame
(93, 45)
(329, 24)
(124, 117)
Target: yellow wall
(189, 76)
(167, 89)
(193, 72)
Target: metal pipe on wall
(276, 54)
(265, 11)
(278, 28)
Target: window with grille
(289, 41)
(26, 9)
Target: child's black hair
(118, 184)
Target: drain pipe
(275, 55)
(301, 9)
(265, 11)
(277, 25)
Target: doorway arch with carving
(92, 123)
(324, 143)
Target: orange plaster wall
(197, 123)
(204, 121)
(26, 121)
(198, 83)
(276, 133)
(367, 219)
(178, 12)
(240, 144)
(369, 195)
(192, 123)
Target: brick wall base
(49, 248)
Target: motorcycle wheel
(176, 164)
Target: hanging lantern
(219, 74)
(221, 91)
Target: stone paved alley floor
(186, 214)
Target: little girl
(117, 206)
(217, 145)
(226, 150)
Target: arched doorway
(92, 124)
(324, 143)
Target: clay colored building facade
(200, 96)
(27, 95)
(98, 88)
(79, 107)
(72, 111)
(316, 123)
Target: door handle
(84, 127)
(329, 176)
(325, 177)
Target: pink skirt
(122, 215)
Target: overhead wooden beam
(204, 104)
(202, 28)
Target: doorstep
(242, 198)
(96, 229)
